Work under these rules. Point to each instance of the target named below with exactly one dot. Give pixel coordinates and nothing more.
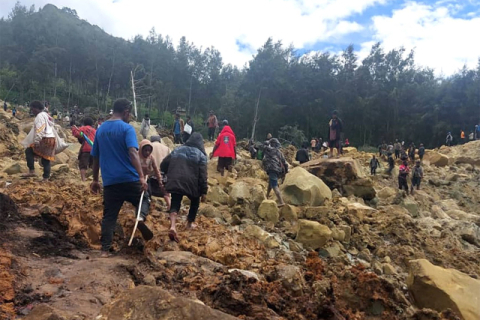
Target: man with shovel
(115, 151)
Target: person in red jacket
(225, 148)
(85, 160)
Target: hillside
(360, 251)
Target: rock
(168, 142)
(411, 206)
(345, 174)
(150, 280)
(211, 248)
(242, 192)
(209, 211)
(248, 274)
(61, 158)
(347, 150)
(60, 168)
(268, 211)
(216, 194)
(461, 215)
(315, 212)
(212, 182)
(388, 269)
(348, 233)
(288, 213)
(336, 194)
(359, 210)
(312, 234)
(153, 303)
(338, 234)
(13, 169)
(331, 252)
(261, 235)
(302, 188)
(466, 230)
(44, 312)
(438, 213)
(295, 246)
(439, 289)
(291, 278)
(386, 192)
(436, 158)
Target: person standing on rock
(145, 126)
(449, 139)
(225, 148)
(275, 166)
(43, 144)
(186, 170)
(115, 152)
(85, 160)
(421, 151)
(403, 173)
(178, 127)
(5, 106)
(335, 128)
(160, 152)
(411, 152)
(397, 148)
(212, 124)
(462, 137)
(417, 176)
(302, 155)
(373, 165)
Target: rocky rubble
(346, 246)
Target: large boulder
(246, 192)
(359, 210)
(303, 188)
(153, 303)
(312, 234)
(268, 211)
(253, 231)
(343, 174)
(151, 132)
(439, 289)
(436, 158)
(216, 194)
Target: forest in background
(51, 54)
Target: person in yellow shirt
(462, 136)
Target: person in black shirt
(302, 154)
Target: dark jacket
(337, 126)
(374, 163)
(186, 168)
(421, 151)
(302, 156)
(273, 159)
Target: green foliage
(52, 54)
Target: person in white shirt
(44, 141)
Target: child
(403, 173)
(417, 175)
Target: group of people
(5, 108)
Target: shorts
(224, 163)
(85, 160)
(333, 144)
(273, 179)
(416, 181)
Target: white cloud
(440, 40)
(220, 23)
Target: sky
(443, 33)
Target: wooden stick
(138, 216)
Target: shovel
(138, 216)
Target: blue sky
(443, 33)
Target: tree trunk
(110, 81)
(255, 119)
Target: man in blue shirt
(115, 152)
(178, 127)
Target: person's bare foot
(172, 234)
(29, 175)
(191, 225)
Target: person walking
(188, 129)
(225, 148)
(391, 164)
(212, 124)
(302, 155)
(178, 127)
(275, 166)
(373, 165)
(145, 126)
(335, 128)
(411, 152)
(160, 152)
(44, 142)
(403, 173)
(85, 135)
(397, 149)
(421, 151)
(14, 111)
(186, 170)
(115, 152)
(449, 139)
(417, 175)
